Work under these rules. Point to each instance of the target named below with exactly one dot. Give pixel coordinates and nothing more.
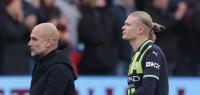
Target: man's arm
(148, 87)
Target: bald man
(53, 73)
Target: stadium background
(180, 42)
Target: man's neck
(135, 44)
(46, 53)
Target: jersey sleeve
(152, 64)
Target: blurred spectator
(183, 30)
(183, 48)
(70, 12)
(63, 30)
(36, 3)
(47, 11)
(195, 37)
(159, 10)
(30, 18)
(117, 14)
(64, 36)
(1, 39)
(128, 5)
(140, 4)
(13, 33)
(64, 43)
(1, 6)
(96, 31)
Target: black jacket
(96, 32)
(13, 48)
(53, 75)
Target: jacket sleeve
(58, 80)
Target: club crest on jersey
(136, 65)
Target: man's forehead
(36, 32)
(133, 20)
(45, 30)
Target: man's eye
(127, 24)
(34, 39)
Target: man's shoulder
(154, 58)
(59, 66)
(60, 69)
(60, 56)
(156, 51)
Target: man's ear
(140, 30)
(48, 43)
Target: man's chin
(124, 38)
(35, 55)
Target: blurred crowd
(92, 30)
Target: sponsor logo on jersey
(134, 78)
(153, 64)
(155, 53)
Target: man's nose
(29, 43)
(123, 27)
